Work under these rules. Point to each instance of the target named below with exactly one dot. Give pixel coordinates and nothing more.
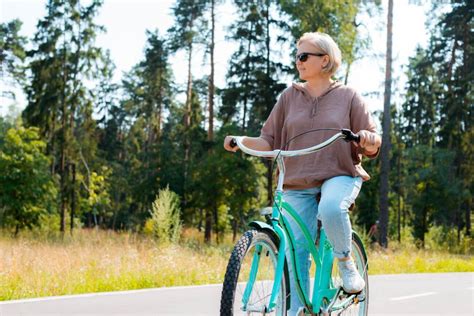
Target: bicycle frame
(322, 255)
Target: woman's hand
(369, 141)
(227, 141)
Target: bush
(165, 223)
(444, 238)
(27, 188)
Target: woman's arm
(363, 124)
(255, 143)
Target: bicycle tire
(236, 276)
(360, 259)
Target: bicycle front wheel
(360, 304)
(253, 245)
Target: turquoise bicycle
(257, 276)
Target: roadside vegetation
(35, 264)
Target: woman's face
(312, 67)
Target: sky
(127, 20)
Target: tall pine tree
(59, 102)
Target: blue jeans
(337, 195)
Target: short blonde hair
(325, 44)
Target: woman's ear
(325, 61)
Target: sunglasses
(304, 56)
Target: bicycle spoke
(261, 289)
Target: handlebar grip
(232, 143)
(350, 136)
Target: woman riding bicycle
(336, 172)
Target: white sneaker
(351, 279)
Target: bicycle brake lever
(350, 136)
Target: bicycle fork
(276, 282)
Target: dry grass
(96, 261)
(409, 259)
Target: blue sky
(127, 20)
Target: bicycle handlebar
(345, 134)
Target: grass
(417, 261)
(97, 261)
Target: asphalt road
(401, 294)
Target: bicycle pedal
(349, 294)
(360, 298)
(357, 297)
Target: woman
(335, 172)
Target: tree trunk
(467, 203)
(73, 195)
(267, 38)
(201, 218)
(52, 151)
(116, 202)
(216, 223)
(234, 230)
(268, 163)
(189, 89)
(399, 181)
(17, 230)
(187, 123)
(404, 216)
(459, 231)
(425, 228)
(210, 131)
(72, 111)
(62, 171)
(247, 75)
(385, 152)
(62, 166)
(208, 227)
(468, 219)
(346, 76)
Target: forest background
(82, 148)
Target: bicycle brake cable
(301, 134)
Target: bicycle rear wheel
(361, 306)
(251, 245)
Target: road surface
(401, 294)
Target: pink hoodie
(296, 112)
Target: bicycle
(257, 275)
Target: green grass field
(97, 261)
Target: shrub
(165, 223)
(27, 189)
(444, 238)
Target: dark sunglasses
(304, 56)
